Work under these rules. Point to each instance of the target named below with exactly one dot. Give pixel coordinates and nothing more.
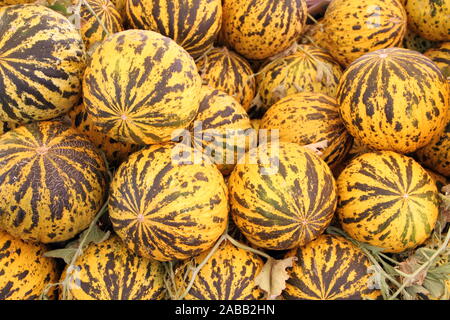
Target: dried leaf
(95, 235)
(273, 276)
(375, 279)
(436, 288)
(317, 147)
(409, 266)
(66, 254)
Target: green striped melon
(193, 24)
(259, 29)
(52, 182)
(413, 41)
(141, 86)
(166, 205)
(115, 151)
(308, 118)
(221, 129)
(284, 199)
(441, 56)
(229, 274)
(309, 69)
(92, 27)
(393, 99)
(41, 63)
(352, 28)
(329, 268)
(225, 70)
(387, 200)
(109, 271)
(24, 272)
(430, 19)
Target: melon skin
(53, 181)
(109, 271)
(308, 118)
(193, 24)
(387, 200)
(4, 3)
(228, 275)
(165, 206)
(429, 19)
(227, 71)
(413, 41)
(354, 28)
(441, 56)
(285, 202)
(152, 87)
(374, 91)
(261, 29)
(25, 272)
(42, 64)
(329, 268)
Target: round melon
(352, 28)
(221, 129)
(109, 271)
(259, 29)
(193, 24)
(387, 200)
(310, 69)
(115, 151)
(430, 19)
(441, 56)
(92, 30)
(224, 70)
(24, 271)
(413, 41)
(52, 182)
(141, 86)
(284, 199)
(329, 268)
(308, 118)
(229, 274)
(41, 64)
(393, 99)
(167, 205)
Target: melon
(441, 56)
(6, 126)
(429, 19)
(393, 99)
(14, 2)
(109, 271)
(24, 271)
(329, 268)
(308, 118)
(440, 180)
(229, 274)
(284, 198)
(413, 41)
(141, 86)
(193, 24)
(41, 64)
(225, 70)
(387, 200)
(353, 28)
(259, 29)
(167, 205)
(52, 182)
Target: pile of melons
(120, 117)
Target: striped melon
(329, 268)
(24, 272)
(6, 126)
(41, 63)
(283, 200)
(92, 30)
(108, 271)
(140, 86)
(352, 28)
(229, 274)
(310, 69)
(430, 19)
(441, 56)
(413, 41)
(307, 118)
(221, 128)
(52, 182)
(393, 99)
(387, 200)
(115, 151)
(193, 24)
(258, 29)
(223, 69)
(120, 6)
(165, 206)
